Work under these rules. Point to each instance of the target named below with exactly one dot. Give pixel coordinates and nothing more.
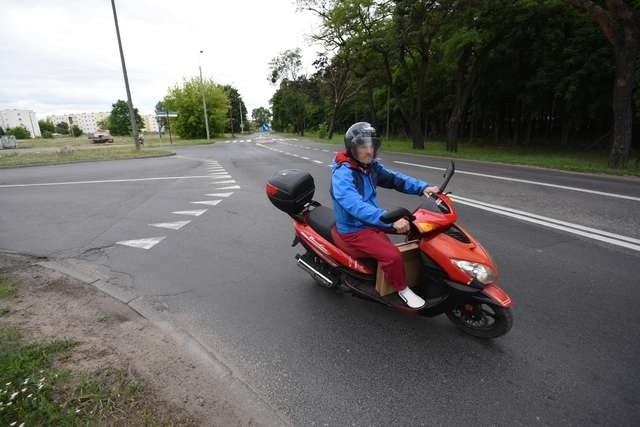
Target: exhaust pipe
(313, 272)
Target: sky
(61, 56)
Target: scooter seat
(322, 219)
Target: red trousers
(374, 243)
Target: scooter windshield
(434, 204)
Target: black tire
(482, 320)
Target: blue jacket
(353, 191)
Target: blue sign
(264, 127)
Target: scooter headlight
(482, 273)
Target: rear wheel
(482, 320)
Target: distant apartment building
(87, 122)
(150, 123)
(25, 118)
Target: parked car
(101, 136)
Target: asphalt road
(566, 245)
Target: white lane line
(147, 243)
(318, 162)
(306, 158)
(220, 176)
(526, 181)
(229, 181)
(191, 213)
(325, 151)
(551, 220)
(207, 202)
(230, 187)
(177, 225)
(579, 230)
(219, 194)
(216, 169)
(104, 181)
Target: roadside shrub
(322, 130)
(19, 132)
(47, 134)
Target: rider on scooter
(355, 175)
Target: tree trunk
(332, 123)
(622, 111)
(466, 80)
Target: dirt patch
(52, 306)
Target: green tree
(104, 123)
(76, 131)
(286, 66)
(19, 132)
(186, 100)
(236, 107)
(260, 116)
(63, 128)
(46, 126)
(620, 23)
(1, 131)
(119, 121)
(160, 108)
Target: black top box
(290, 190)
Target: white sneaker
(411, 299)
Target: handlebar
(393, 215)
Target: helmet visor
(367, 141)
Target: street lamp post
(132, 116)
(240, 106)
(204, 104)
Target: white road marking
(191, 213)
(207, 202)
(104, 181)
(219, 194)
(306, 158)
(220, 176)
(177, 225)
(318, 162)
(147, 243)
(230, 187)
(580, 230)
(526, 181)
(325, 151)
(229, 181)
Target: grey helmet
(361, 133)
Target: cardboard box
(412, 267)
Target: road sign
(166, 114)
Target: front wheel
(482, 320)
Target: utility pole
(204, 104)
(132, 116)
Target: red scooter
(449, 268)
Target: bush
(47, 134)
(322, 130)
(19, 132)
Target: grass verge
(14, 158)
(562, 159)
(7, 288)
(34, 391)
(82, 141)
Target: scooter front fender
(490, 294)
(497, 295)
